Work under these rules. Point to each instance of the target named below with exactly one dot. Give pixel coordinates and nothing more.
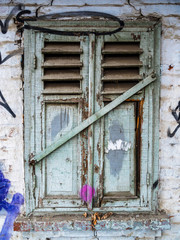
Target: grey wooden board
(119, 149)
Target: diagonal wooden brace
(62, 140)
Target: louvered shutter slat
(121, 48)
(63, 48)
(121, 75)
(125, 61)
(120, 66)
(62, 68)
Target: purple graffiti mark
(5, 105)
(13, 208)
(177, 118)
(87, 193)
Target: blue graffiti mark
(13, 208)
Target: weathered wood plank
(122, 48)
(126, 61)
(94, 118)
(91, 105)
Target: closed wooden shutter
(72, 79)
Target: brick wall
(11, 82)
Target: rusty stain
(129, 228)
(4, 149)
(96, 168)
(90, 133)
(31, 160)
(11, 132)
(84, 158)
(84, 106)
(106, 215)
(106, 99)
(90, 154)
(40, 201)
(10, 168)
(101, 182)
(139, 121)
(97, 217)
(99, 149)
(132, 100)
(94, 218)
(64, 222)
(4, 139)
(136, 37)
(17, 227)
(93, 48)
(99, 99)
(84, 137)
(170, 67)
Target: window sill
(55, 223)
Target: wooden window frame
(134, 29)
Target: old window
(69, 79)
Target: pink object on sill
(87, 193)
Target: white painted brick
(5, 10)
(160, 10)
(9, 74)
(90, 2)
(9, 36)
(170, 79)
(171, 52)
(117, 11)
(170, 173)
(5, 1)
(173, 184)
(155, 2)
(169, 91)
(17, 236)
(175, 219)
(171, 22)
(171, 33)
(32, 2)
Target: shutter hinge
(149, 63)
(35, 61)
(148, 179)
